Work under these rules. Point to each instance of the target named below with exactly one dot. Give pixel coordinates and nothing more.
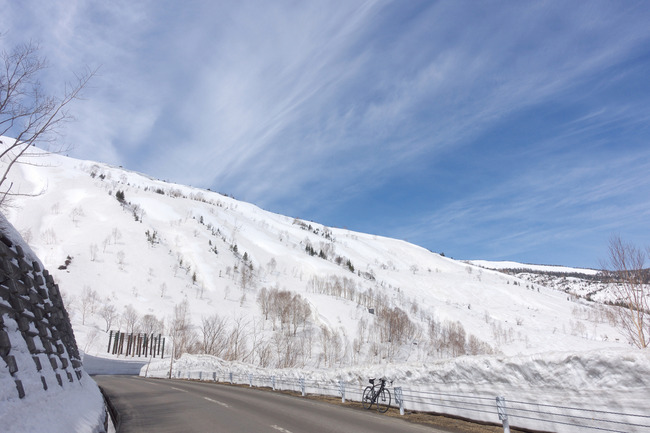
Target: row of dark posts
(136, 344)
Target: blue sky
(492, 130)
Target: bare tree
(264, 302)
(299, 312)
(149, 324)
(26, 113)
(94, 249)
(625, 268)
(271, 265)
(395, 326)
(89, 299)
(237, 340)
(287, 350)
(76, 213)
(121, 257)
(246, 276)
(108, 312)
(116, 234)
(214, 330)
(131, 318)
(182, 330)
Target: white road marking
(178, 389)
(215, 401)
(278, 428)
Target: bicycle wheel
(366, 400)
(383, 400)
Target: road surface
(159, 405)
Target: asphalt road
(158, 405)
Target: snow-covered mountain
(264, 291)
(113, 237)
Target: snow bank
(609, 380)
(106, 365)
(78, 408)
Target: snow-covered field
(375, 305)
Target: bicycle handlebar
(382, 379)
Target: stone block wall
(34, 325)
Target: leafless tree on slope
(625, 267)
(26, 112)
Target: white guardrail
(529, 415)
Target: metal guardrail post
(273, 382)
(503, 415)
(399, 399)
(214, 376)
(302, 386)
(250, 380)
(231, 377)
(200, 375)
(342, 390)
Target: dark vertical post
(159, 337)
(110, 337)
(121, 343)
(162, 355)
(116, 342)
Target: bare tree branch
(625, 268)
(26, 114)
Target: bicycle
(376, 394)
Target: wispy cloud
(300, 106)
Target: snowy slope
(588, 284)
(77, 215)
(167, 244)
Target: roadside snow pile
(78, 408)
(109, 365)
(43, 386)
(606, 380)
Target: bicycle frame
(377, 394)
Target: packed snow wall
(39, 356)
